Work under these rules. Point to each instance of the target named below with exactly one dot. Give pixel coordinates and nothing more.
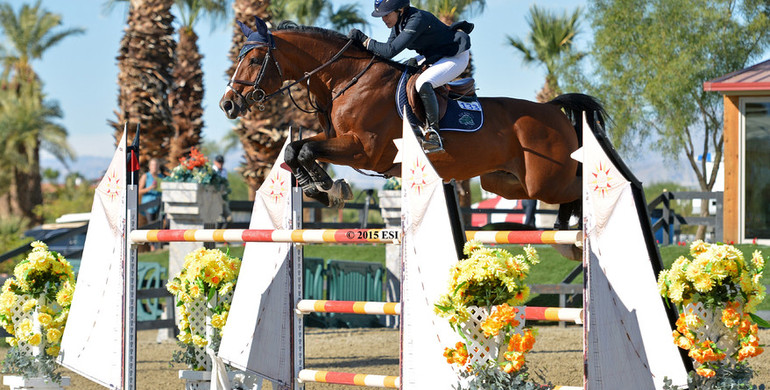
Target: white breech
(444, 70)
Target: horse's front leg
(343, 150)
(304, 180)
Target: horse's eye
(255, 61)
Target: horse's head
(257, 74)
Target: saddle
(463, 90)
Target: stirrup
(432, 142)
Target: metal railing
(671, 222)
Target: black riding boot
(432, 142)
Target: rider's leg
(430, 103)
(438, 74)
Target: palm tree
(30, 33)
(550, 41)
(26, 126)
(145, 61)
(263, 133)
(186, 94)
(450, 11)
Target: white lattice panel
(483, 350)
(715, 330)
(20, 315)
(199, 317)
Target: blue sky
(81, 71)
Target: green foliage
(239, 190)
(75, 196)
(726, 378)
(318, 12)
(19, 363)
(651, 59)
(393, 183)
(492, 378)
(549, 42)
(11, 236)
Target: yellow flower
(44, 319)
(199, 341)
(7, 299)
(12, 341)
(218, 321)
(52, 350)
(184, 337)
(53, 335)
(29, 305)
(64, 297)
(35, 339)
(24, 328)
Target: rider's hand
(412, 63)
(356, 35)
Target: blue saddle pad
(460, 115)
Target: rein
(258, 95)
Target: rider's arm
(398, 42)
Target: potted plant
(481, 305)
(203, 290)
(34, 305)
(716, 293)
(194, 188)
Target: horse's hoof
(324, 186)
(341, 189)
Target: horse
(522, 151)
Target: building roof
(753, 78)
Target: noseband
(258, 95)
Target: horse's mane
(327, 35)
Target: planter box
(390, 207)
(16, 382)
(201, 380)
(192, 200)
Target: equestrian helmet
(384, 7)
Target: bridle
(258, 95)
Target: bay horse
(522, 151)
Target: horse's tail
(575, 103)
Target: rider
(442, 47)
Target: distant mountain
(91, 167)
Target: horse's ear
(244, 28)
(261, 26)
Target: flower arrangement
(716, 293)
(203, 290)
(484, 289)
(196, 168)
(34, 305)
(392, 184)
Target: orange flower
(457, 355)
(730, 315)
(705, 372)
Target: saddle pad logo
(466, 119)
(471, 106)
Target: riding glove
(356, 35)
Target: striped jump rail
(302, 236)
(307, 306)
(344, 378)
(531, 313)
(527, 237)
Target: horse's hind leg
(504, 184)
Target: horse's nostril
(227, 105)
